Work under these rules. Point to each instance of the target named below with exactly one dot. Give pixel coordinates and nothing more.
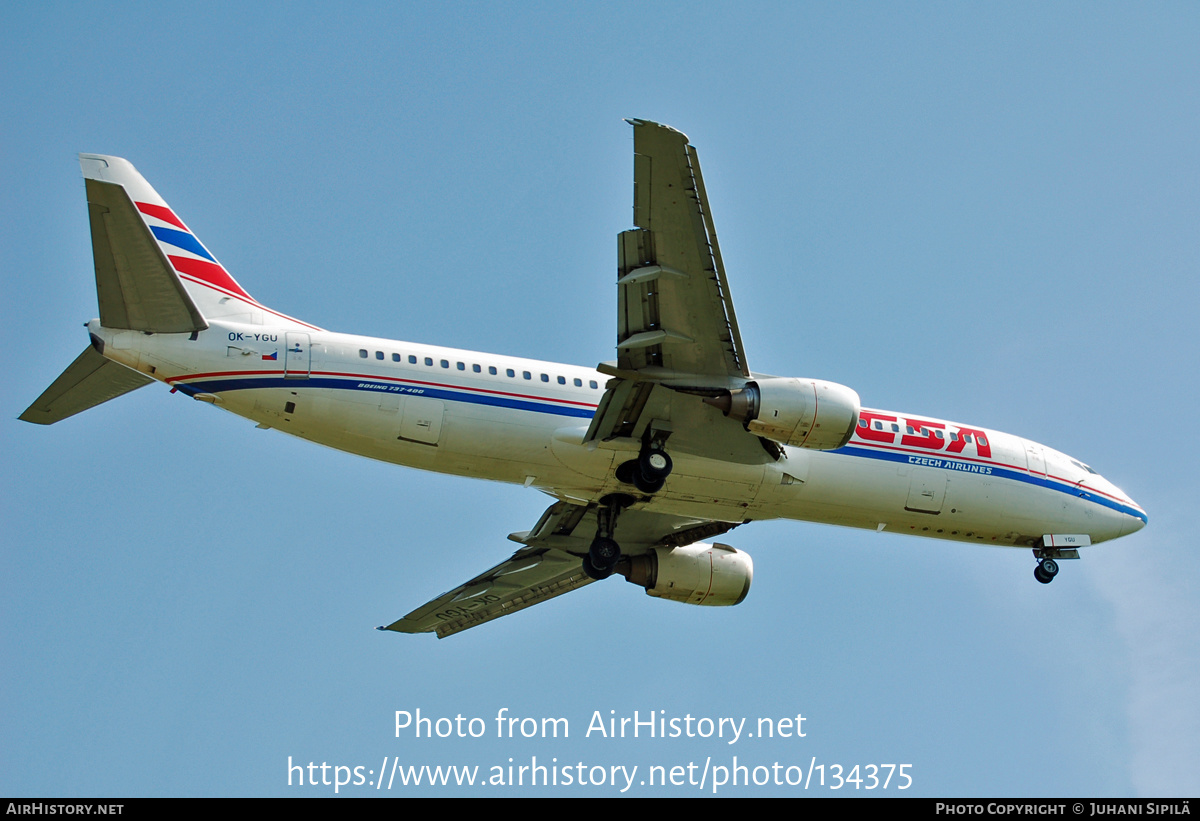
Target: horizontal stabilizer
(136, 286)
(89, 381)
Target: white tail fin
(152, 273)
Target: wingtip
(637, 122)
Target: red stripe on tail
(209, 272)
(161, 212)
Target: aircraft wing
(548, 565)
(676, 327)
(674, 310)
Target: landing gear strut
(604, 552)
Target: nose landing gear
(1045, 571)
(1052, 549)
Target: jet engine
(805, 413)
(710, 574)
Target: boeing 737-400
(674, 442)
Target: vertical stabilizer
(152, 273)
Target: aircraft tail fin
(152, 273)
(88, 381)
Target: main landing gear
(602, 557)
(1045, 571)
(649, 471)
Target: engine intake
(805, 413)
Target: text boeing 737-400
(674, 442)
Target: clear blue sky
(987, 214)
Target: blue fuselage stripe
(384, 388)
(960, 466)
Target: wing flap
(88, 381)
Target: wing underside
(548, 565)
(677, 332)
(674, 309)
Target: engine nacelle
(710, 574)
(805, 413)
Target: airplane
(675, 442)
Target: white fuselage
(523, 421)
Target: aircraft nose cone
(1135, 525)
(1135, 521)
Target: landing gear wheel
(655, 465)
(590, 570)
(645, 485)
(1041, 575)
(1050, 568)
(603, 554)
(627, 472)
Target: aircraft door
(298, 357)
(421, 419)
(926, 491)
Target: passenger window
(967, 438)
(562, 380)
(476, 368)
(412, 360)
(878, 425)
(896, 428)
(395, 357)
(982, 442)
(362, 352)
(953, 436)
(429, 361)
(379, 354)
(592, 384)
(862, 423)
(510, 372)
(578, 382)
(527, 374)
(461, 366)
(938, 434)
(492, 370)
(445, 363)
(545, 378)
